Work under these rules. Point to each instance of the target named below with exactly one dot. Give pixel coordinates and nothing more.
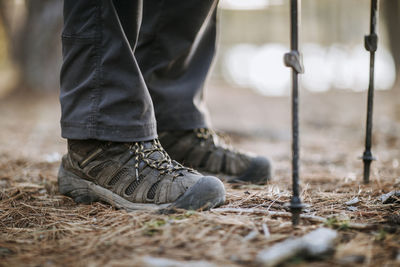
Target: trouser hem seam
(109, 133)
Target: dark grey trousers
(132, 66)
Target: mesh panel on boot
(120, 174)
(152, 192)
(131, 188)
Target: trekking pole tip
(296, 206)
(367, 158)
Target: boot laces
(162, 163)
(216, 139)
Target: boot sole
(206, 193)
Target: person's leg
(175, 52)
(103, 94)
(108, 118)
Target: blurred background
(254, 35)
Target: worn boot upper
(202, 149)
(141, 172)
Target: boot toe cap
(208, 192)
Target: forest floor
(40, 227)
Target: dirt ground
(39, 227)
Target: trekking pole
(371, 45)
(293, 60)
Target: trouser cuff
(109, 133)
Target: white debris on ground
(352, 201)
(389, 197)
(163, 262)
(315, 244)
(352, 208)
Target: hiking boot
(134, 176)
(203, 150)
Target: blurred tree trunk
(391, 13)
(33, 40)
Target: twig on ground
(312, 218)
